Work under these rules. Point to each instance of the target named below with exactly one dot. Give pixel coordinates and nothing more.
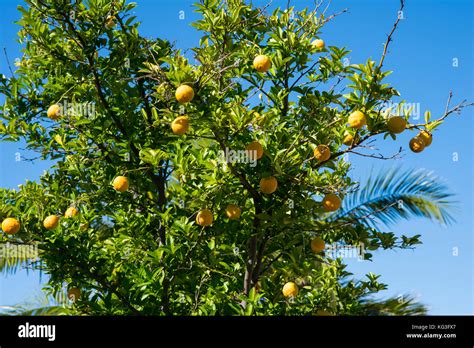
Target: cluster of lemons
(268, 185)
(12, 226)
(418, 143)
(395, 125)
(357, 120)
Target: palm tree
(396, 195)
(387, 198)
(16, 256)
(404, 305)
(39, 305)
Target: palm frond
(40, 305)
(15, 257)
(394, 195)
(11, 265)
(405, 305)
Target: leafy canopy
(141, 251)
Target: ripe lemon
(322, 153)
(120, 183)
(233, 212)
(51, 222)
(396, 124)
(348, 139)
(357, 119)
(268, 185)
(71, 212)
(54, 112)
(290, 289)
(10, 226)
(318, 44)
(331, 202)
(317, 245)
(110, 22)
(204, 218)
(417, 144)
(73, 294)
(426, 136)
(254, 150)
(184, 94)
(180, 125)
(262, 63)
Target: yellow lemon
(348, 139)
(426, 136)
(71, 212)
(396, 124)
(357, 119)
(180, 125)
(51, 222)
(262, 63)
(331, 202)
(417, 144)
(121, 183)
(54, 112)
(254, 150)
(204, 218)
(184, 94)
(10, 226)
(322, 153)
(317, 245)
(318, 44)
(268, 185)
(290, 289)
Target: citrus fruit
(51, 222)
(417, 144)
(180, 125)
(357, 119)
(120, 183)
(290, 289)
(331, 202)
(268, 185)
(262, 63)
(184, 94)
(254, 150)
(10, 226)
(204, 218)
(322, 153)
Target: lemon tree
(211, 185)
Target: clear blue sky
(430, 36)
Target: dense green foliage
(141, 251)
